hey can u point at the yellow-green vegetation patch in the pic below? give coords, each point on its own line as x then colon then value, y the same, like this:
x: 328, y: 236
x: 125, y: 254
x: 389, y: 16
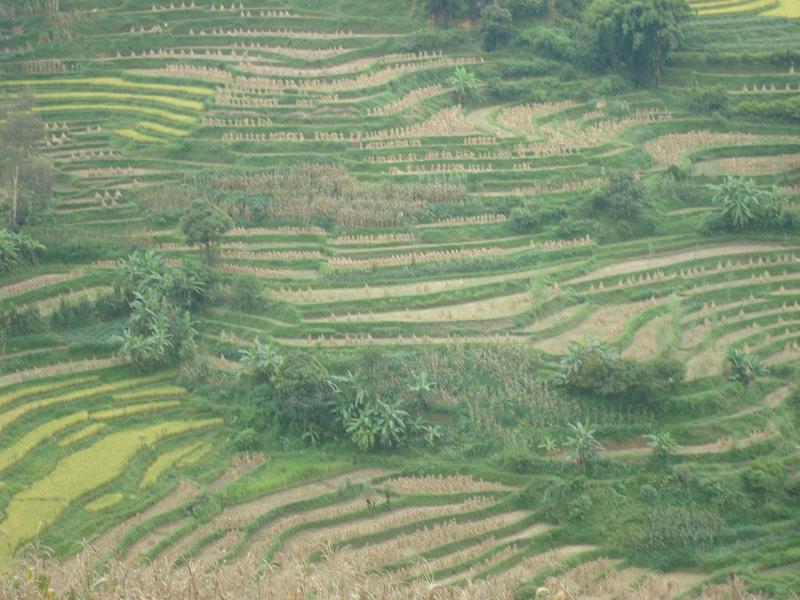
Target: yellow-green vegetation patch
x: 11, y: 416
x: 723, y: 9
x: 134, y: 409
x: 115, y: 82
x: 195, y: 455
x: 116, y: 108
x: 165, y: 462
x: 44, y: 388
x: 104, y: 502
x: 136, y: 136
x: 788, y: 8
x: 36, y: 436
x: 167, y: 100
x: 36, y: 508
x: 160, y: 391
x: 81, y: 434
x: 159, y: 128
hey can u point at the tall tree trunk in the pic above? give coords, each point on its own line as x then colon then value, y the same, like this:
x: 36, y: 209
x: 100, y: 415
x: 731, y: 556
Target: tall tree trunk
x: 15, y: 197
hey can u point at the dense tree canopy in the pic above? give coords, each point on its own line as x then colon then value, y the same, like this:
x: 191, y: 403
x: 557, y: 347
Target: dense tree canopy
x: 204, y: 225
x: 637, y: 36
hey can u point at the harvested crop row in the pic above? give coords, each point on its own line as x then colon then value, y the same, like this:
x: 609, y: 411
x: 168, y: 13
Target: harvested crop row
x: 303, y: 544
x: 417, y: 542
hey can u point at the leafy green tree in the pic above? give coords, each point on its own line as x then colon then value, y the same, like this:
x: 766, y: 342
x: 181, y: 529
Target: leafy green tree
x: 522, y: 218
x: 26, y: 179
x: 663, y: 444
x: 623, y: 197
x: 745, y: 367
x: 204, y: 225
x: 464, y: 81
x: 741, y: 201
x: 496, y: 26
x: 637, y: 36
x: 452, y: 10
x: 582, y: 443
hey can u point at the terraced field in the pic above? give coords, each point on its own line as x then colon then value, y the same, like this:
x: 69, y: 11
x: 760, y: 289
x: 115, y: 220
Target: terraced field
x: 148, y: 104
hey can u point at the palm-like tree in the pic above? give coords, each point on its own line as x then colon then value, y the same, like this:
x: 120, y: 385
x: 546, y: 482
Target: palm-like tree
x: 143, y: 269
x: 464, y: 81
x: 745, y: 367
x: 421, y: 387
x: 582, y: 443
x: 145, y: 352
x: 578, y: 351
x: 350, y: 397
x: 740, y: 200
x: 391, y: 420
x: 662, y: 444
x: 16, y: 247
x: 364, y: 429
x: 262, y: 361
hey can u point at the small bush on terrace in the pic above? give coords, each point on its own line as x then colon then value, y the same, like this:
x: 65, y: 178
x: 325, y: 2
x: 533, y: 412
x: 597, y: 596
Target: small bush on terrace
x: 594, y: 368
x: 707, y: 101
x: 744, y: 206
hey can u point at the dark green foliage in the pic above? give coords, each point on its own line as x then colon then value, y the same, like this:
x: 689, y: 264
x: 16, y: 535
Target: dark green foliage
x: 549, y: 42
x: 21, y: 321
x: 453, y: 10
x: 625, y: 204
x: 680, y: 527
x: 496, y: 26
x: 570, y: 9
x: 595, y: 368
x: 745, y: 367
x: 778, y: 109
x: 523, y: 219
x: 570, y: 228
x: 527, y: 9
x: 623, y: 196
x: 637, y: 36
x: 706, y: 101
x: 303, y: 391
x: 247, y: 440
x: 245, y: 294
x: 764, y: 477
